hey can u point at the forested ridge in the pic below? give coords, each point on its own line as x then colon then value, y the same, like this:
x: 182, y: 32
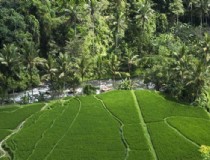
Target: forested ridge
x: 65, y: 43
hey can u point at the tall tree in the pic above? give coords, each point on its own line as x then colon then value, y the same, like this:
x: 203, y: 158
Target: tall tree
x: 118, y: 22
x: 131, y: 60
x: 113, y: 66
x: 82, y: 66
x: 13, y: 27
x: 31, y: 60
x: 50, y: 71
x: 202, y: 7
x: 99, y: 67
x: 177, y: 8
x: 65, y: 73
x: 10, y: 65
x: 141, y: 25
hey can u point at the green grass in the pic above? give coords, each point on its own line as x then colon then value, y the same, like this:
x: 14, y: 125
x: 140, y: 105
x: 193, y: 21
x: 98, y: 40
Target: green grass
x: 93, y: 135
x: 60, y: 124
x: 155, y: 107
x: 122, y: 105
x: 9, y: 107
x: 11, y: 119
x: 140, y: 155
x: 169, y: 145
x: 11, y: 116
x: 4, y: 133
x: 197, y: 130
x: 24, y: 142
x: 109, y: 127
x: 135, y: 137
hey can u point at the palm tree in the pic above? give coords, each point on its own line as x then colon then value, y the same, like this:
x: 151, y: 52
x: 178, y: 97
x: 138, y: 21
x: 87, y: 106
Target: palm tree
x: 113, y: 66
x: 131, y: 60
x: 206, y: 49
x: 3, y: 88
x: 203, y: 7
x: 190, y: 4
x: 10, y: 64
x: 99, y: 67
x: 51, y: 70
x: 31, y: 61
x: 144, y: 12
x: 82, y: 65
x: 64, y: 63
x: 74, y: 11
x: 120, y: 23
x: 177, y: 8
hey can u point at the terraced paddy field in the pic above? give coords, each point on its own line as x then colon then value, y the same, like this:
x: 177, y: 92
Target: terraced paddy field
x: 117, y: 125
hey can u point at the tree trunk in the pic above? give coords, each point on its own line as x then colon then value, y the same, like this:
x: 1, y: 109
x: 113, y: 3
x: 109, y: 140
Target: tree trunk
x: 6, y: 89
x: 201, y: 19
x: 143, y: 24
x: 113, y: 80
x: 129, y: 69
x: 116, y: 39
x: 52, y: 86
x: 191, y: 17
x: 177, y: 19
x: 13, y: 92
x: 64, y: 87
x: 206, y: 17
x: 99, y: 78
x: 93, y: 28
x: 31, y: 84
x: 75, y: 29
x: 82, y: 76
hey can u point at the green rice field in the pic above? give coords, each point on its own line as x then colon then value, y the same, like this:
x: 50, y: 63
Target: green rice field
x: 117, y: 125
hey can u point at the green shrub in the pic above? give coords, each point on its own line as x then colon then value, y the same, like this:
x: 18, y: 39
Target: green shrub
x: 126, y: 84
x: 205, y: 152
x: 89, y: 89
x: 204, y: 100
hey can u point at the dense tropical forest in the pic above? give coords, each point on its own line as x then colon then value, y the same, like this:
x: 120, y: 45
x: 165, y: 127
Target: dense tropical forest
x: 65, y: 43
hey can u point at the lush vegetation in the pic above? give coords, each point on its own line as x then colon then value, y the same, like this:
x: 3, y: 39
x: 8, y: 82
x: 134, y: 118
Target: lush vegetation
x: 205, y: 151
x: 187, y: 124
x: 64, y: 43
x: 12, y: 116
x: 157, y: 110
x: 95, y: 127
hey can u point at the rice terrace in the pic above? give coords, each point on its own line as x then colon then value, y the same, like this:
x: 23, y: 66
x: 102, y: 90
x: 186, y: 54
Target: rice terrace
x: 117, y: 125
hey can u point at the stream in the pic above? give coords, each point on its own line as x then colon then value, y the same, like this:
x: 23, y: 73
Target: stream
x: 102, y: 86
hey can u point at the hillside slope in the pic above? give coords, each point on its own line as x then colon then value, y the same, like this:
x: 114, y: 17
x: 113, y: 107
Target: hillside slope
x: 117, y: 125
